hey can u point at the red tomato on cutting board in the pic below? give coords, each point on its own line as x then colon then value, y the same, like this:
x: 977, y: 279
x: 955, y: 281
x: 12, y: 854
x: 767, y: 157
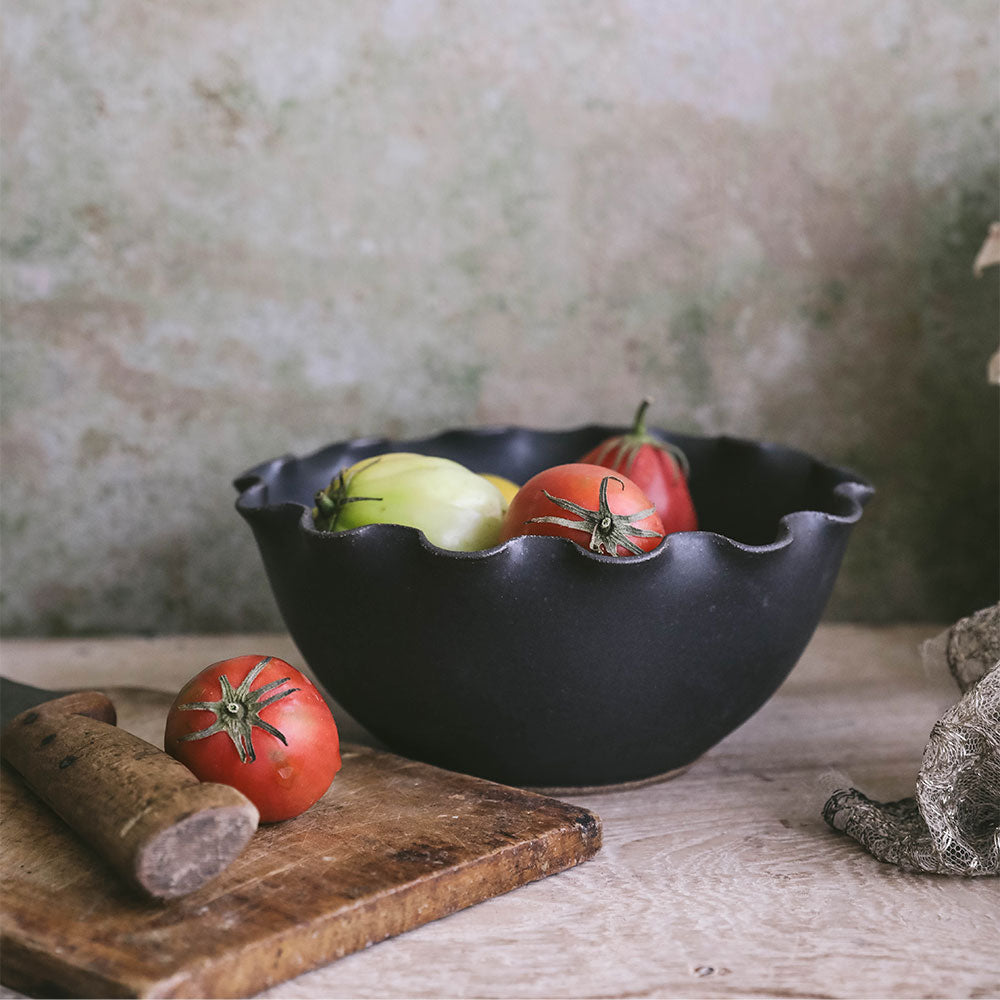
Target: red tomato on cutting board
x: 260, y: 725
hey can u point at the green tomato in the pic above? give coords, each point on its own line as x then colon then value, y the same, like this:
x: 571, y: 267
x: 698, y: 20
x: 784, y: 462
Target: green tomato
x: 455, y: 508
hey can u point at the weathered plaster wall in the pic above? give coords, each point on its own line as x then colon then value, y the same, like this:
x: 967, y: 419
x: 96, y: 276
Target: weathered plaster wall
x: 238, y: 228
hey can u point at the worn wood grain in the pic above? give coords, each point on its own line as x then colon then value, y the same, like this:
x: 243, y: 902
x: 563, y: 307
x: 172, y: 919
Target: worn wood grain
x: 723, y: 882
x: 394, y: 844
x: 164, y: 831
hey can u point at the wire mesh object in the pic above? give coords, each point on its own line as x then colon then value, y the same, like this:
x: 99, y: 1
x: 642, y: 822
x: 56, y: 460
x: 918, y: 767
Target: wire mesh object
x: 951, y: 826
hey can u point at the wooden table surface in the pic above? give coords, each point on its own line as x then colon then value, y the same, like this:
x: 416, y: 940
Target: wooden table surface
x: 723, y: 882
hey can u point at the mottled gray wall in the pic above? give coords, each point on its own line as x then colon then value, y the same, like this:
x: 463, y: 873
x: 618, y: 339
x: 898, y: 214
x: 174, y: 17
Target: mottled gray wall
x: 238, y: 228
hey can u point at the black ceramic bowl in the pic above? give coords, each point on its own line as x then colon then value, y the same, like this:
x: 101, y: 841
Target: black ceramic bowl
x: 536, y: 662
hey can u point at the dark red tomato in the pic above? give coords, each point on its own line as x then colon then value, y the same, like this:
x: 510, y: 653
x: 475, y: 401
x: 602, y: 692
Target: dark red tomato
x: 599, y: 509
x: 658, y: 468
x: 260, y: 725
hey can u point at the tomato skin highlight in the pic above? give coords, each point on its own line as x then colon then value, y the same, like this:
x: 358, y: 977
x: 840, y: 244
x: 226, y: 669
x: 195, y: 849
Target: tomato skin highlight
x: 656, y: 467
x: 580, y: 483
x: 281, y: 779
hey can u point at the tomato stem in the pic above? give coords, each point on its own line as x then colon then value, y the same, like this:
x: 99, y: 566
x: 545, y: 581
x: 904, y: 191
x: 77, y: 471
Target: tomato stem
x: 624, y: 449
x: 607, y: 530
x: 639, y: 423
x: 331, y: 501
x: 238, y: 711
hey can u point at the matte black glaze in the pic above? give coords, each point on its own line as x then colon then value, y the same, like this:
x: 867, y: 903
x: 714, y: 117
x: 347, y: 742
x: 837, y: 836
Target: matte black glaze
x: 537, y: 662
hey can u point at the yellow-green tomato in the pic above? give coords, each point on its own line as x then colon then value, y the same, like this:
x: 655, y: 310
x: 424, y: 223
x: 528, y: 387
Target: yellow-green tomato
x: 453, y: 506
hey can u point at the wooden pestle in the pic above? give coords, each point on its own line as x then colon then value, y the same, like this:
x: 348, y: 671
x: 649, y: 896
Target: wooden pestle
x: 162, y: 829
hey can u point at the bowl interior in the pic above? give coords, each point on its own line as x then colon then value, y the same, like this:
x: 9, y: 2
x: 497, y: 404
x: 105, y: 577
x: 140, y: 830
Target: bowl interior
x: 741, y: 489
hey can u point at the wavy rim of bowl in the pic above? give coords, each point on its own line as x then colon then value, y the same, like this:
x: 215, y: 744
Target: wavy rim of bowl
x: 852, y: 492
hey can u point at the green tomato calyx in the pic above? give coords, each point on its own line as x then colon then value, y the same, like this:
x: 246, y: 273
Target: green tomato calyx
x: 607, y: 530
x: 623, y: 450
x: 330, y: 502
x: 238, y: 711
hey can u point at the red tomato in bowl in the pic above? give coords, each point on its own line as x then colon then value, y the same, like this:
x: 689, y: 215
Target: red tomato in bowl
x: 599, y: 509
x: 258, y: 724
x: 658, y: 468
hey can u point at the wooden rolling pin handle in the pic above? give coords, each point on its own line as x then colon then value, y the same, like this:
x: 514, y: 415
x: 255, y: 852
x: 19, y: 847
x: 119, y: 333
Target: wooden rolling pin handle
x: 161, y: 828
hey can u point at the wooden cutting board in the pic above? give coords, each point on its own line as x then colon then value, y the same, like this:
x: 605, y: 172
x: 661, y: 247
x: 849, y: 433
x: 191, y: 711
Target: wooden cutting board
x: 394, y: 844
